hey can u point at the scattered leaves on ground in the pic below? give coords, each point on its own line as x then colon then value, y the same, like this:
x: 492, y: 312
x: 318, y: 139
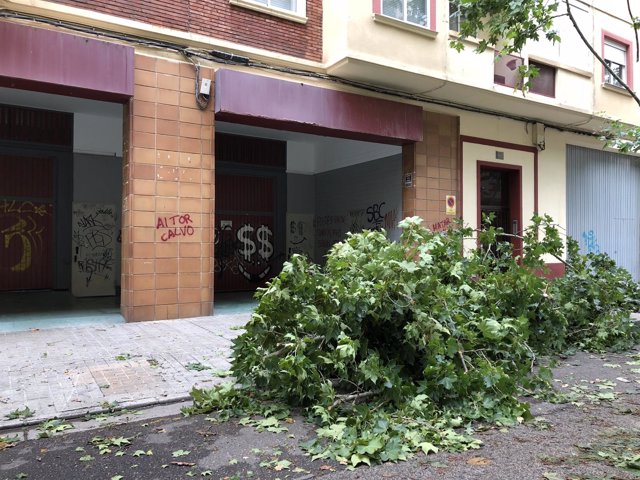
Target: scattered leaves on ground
x: 197, y: 366
x: 180, y: 453
x: 53, y: 426
x: 25, y: 412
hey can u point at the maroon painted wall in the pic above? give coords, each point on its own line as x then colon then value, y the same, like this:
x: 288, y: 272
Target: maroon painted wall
x: 269, y: 102
x: 26, y: 222
x: 20, y: 124
x: 55, y: 62
x: 220, y: 20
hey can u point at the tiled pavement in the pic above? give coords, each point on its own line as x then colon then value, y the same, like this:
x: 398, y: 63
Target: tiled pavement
x: 67, y: 372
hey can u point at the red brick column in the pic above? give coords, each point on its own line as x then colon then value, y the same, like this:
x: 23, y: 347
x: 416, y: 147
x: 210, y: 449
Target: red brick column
x: 167, y: 231
x: 435, y: 165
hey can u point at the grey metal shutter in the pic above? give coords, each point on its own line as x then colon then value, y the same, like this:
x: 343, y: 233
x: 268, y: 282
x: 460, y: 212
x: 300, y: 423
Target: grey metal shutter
x: 603, y: 204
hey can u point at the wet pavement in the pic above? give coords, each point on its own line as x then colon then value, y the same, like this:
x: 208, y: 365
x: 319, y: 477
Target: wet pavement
x: 68, y: 372
x: 594, y: 434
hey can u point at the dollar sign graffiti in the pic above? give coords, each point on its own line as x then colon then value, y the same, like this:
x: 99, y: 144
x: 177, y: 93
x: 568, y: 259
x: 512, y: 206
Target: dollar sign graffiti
x: 266, y: 248
x: 248, y: 246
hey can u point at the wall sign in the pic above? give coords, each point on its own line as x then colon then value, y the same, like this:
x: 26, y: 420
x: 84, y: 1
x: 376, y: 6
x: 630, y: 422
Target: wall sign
x: 450, y: 204
x: 407, y: 180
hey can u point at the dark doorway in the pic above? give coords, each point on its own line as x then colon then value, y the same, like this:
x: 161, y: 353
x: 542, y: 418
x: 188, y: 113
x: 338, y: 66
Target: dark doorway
x: 35, y: 198
x: 250, y: 211
x: 500, y: 194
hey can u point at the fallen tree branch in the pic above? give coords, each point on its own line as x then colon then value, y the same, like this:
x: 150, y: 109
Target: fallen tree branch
x: 277, y: 353
x: 281, y: 350
x: 464, y: 364
x: 353, y: 397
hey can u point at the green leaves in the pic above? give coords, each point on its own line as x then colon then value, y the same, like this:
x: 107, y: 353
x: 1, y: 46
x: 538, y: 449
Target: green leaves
x: 197, y: 366
x: 269, y: 424
x: 140, y: 453
x: 26, y: 412
x: 104, y: 444
x: 53, y: 426
x: 491, y: 329
x: 119, y: 441
x: 428, y: 447
x: 371, y: 446
x: 507, y: 25
x: 346, y: 347
x: 180, y: 453
x: 357, y: 459
x: 618, y: 448
x: 596, y: 297
x: 392, y: 347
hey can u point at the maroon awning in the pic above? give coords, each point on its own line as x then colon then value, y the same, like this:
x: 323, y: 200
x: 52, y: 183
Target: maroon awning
x: 55, y: 62
x: 269, y: 102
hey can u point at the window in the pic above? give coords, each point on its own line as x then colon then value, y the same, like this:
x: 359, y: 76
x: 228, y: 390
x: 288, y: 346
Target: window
x: 455, y: 16
x: 294, y: 10
x: 283, y: 4
x: 615, y: 56
x: 545, y: 82
x: 505, y: 71
x: 411, y: 11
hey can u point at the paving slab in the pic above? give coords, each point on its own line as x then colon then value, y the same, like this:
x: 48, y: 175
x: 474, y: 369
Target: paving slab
x: 68, y: 372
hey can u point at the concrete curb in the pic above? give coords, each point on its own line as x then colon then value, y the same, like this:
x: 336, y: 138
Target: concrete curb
x: 73, y: 415
x: 67, y: 373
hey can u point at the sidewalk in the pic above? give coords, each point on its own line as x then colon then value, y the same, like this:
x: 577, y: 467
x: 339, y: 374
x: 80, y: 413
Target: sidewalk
x: 67, y: 372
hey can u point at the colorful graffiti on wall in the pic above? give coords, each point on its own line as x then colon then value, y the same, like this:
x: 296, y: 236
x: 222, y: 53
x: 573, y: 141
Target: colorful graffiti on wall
x: 244, y: 251
x: 590, y: 242
x: 24, y: 228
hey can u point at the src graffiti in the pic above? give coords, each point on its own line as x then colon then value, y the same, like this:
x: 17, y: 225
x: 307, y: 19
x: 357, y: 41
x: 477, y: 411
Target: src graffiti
x: 378, y: 219
x: 375, y: 216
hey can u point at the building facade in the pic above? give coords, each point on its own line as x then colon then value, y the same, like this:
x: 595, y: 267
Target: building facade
x: 172, y: 151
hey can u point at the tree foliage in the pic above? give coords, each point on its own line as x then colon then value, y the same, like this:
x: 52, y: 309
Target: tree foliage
x: 391, y: 346
x: 508, y: 25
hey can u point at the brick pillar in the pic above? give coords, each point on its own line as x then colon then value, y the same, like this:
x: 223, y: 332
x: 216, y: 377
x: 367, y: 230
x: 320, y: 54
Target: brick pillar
x: 167, y: 231
x: 435, y: 165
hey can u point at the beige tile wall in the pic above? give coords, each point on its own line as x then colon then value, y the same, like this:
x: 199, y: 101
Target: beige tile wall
x: 435, y: 166
x: 167, y: 234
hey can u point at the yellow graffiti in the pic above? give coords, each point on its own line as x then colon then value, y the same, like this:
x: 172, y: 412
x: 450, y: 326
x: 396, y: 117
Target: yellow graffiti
x: 11, y: 206
x: 19, y: 229
x: 25, y: 230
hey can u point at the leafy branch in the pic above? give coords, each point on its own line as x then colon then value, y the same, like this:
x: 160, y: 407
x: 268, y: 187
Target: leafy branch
x: 391, y: 346
x: 507, y: 26
x: 599, y: 57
